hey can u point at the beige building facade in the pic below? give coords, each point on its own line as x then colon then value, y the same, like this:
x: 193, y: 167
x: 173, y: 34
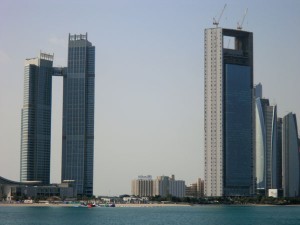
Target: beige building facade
x: 162, y: 186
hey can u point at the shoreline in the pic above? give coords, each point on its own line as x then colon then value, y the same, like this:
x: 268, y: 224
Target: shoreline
x: 130, y: 205
x: 118, y: 205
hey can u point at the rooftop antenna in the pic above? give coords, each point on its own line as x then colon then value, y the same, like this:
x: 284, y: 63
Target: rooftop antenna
x: 216, y: 22
x: 240, y: 25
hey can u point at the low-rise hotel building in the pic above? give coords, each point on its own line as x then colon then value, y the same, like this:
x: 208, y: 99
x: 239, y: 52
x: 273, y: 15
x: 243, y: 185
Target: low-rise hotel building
x: 162, y: 186
x: 195, y: 190
x: 142, y: 187
x: 12, y: 190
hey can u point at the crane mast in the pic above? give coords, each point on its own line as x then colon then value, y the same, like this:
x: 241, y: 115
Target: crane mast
x: 216, y: 22
x: 240, y: 25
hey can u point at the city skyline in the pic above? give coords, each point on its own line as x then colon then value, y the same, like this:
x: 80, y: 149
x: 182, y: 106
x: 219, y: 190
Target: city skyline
x: 149, y: 96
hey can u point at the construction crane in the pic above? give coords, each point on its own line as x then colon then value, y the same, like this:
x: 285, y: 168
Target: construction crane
x: 240, y: 25
x: 216, y: 22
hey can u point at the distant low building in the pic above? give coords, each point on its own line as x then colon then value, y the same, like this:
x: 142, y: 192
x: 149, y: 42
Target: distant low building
x: 176, y: 187
x: 11, y: 190
x: 142, y: 187
x: 162, y: 186
x: 132, y: 199
x: 273, y: 193
x: 195, y: 190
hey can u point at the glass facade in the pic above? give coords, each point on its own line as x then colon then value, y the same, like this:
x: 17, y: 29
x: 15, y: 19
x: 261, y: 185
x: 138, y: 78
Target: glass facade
x: 228, y: 113
x: 36, y: 120
x: 290, y: 157
x: 238, y: 129
x: 279, y: 152
x: 271, y: 144
x: 268, y: 152
x: 260, y: 141
x: 78, y: 115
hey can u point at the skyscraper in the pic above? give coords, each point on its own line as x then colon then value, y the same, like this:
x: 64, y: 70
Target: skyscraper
x: 78, y: 115
x: 258, y: 92
x: 290, y: 157
x: 228, y: 113
x: 279, y: 153
x: 36, y: 119
x: 266, y: 146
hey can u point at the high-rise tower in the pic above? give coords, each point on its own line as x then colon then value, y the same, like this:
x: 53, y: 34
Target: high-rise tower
x: 78, y: 115
x: 229, y: 114
x: 267, y: 152
x: 290, y: 157
x: 36, y: 119
x: 279, y: 152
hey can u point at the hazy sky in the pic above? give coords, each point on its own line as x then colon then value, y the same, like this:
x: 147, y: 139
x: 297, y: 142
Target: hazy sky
x: 149, y: 77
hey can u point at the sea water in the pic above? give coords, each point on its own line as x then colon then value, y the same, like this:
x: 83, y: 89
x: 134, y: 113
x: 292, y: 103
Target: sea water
x: 206, y: 215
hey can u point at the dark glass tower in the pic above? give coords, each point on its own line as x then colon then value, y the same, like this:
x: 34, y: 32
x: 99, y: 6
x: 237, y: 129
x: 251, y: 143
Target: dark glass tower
x: 290, y: 157
x: 279, y: 152
x: 36, y: 119
x: 78, y: 115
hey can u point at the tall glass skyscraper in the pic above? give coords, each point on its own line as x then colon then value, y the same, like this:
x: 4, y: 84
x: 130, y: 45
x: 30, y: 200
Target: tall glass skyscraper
x: 290, y: 157
x: 279, y: 153
x: 229, y: 113
x: 267, y: 151
x: 78, y: 115
x: 36, y: 119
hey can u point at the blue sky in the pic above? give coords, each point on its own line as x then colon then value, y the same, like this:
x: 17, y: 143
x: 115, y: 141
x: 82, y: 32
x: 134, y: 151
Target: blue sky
x: 149, y: 77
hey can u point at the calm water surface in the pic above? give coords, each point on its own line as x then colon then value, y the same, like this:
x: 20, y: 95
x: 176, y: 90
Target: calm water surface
x: 206, y: 215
